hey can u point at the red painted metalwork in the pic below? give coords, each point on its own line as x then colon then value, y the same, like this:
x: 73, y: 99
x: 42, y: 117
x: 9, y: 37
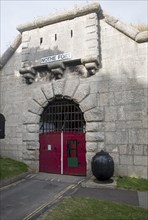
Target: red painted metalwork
x: 50, y: 152
x: 62, y: 138
x: 80, y: 154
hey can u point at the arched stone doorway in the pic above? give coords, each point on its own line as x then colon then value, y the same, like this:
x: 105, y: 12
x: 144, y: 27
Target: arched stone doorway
x: 62, y: 138
x: 70, y: 89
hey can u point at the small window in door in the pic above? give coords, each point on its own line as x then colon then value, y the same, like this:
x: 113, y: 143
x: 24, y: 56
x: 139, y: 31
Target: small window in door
x: 72, y: 153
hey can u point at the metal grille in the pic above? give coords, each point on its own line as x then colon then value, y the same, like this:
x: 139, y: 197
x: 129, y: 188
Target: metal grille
x: 62, y: 115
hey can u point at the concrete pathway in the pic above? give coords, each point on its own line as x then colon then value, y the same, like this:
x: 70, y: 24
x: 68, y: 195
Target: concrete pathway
x: 28, y: 198
x: 32, y: 195
x: 107, y: 190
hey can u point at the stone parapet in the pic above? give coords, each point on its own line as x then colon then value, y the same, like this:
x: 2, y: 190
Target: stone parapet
x: 76, y: 12
x: 10, y: 50
x: 128, y: 30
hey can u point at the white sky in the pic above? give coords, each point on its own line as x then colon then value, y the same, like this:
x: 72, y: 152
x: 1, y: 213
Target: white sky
x: 16, y: 12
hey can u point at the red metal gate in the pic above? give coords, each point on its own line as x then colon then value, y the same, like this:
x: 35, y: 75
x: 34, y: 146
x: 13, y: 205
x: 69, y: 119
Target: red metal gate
x: 63, y: 153
x: 62, y: 139
x: 74, y: 153
x: 50, y: 153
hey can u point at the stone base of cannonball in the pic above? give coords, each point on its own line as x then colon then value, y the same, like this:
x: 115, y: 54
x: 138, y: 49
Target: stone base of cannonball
x: 92, y: 182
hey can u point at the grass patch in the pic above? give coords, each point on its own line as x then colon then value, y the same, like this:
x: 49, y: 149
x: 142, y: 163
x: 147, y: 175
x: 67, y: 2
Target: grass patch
x: 10, y: 168
x: 93, y: 209
x: 132, y: 183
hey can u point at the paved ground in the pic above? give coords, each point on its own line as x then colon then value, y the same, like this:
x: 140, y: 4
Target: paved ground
x: 31, y: 194
x: 27, y: 199
x: 120, y: 196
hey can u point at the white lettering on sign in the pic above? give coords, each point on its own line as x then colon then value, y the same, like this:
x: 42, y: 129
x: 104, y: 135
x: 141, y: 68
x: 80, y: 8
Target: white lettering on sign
x: 63, y: 56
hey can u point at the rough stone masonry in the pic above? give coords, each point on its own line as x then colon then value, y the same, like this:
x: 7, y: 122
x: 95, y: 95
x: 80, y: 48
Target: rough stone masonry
x: 105, y: 73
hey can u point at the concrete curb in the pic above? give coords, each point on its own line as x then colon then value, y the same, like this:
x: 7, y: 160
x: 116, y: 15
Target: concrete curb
x: 9, y: 181
x: 143, y: 199
x: 94, y: 183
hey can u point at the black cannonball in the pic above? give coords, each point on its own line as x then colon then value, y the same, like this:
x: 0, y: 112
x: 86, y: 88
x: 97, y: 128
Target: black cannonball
x: 102, y: 166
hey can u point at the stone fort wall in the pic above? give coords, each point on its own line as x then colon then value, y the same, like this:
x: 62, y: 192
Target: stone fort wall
x: 114, y: 99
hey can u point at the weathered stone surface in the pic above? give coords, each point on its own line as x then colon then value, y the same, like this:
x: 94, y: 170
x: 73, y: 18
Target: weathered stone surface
x: 106, y: 99
x: 140, y: 160
x: 93, y: 126
x: 6, y: 56
x: 89, y: 156
x: 145, y: 150
x: 91, y: 146
x: 25, y: 45
x: 30, y: 137
x: 91, y: 66
x: 57, y: 73
x: 127, y: 29
x: 115, y: 157
x: 138, y: 136
x: 30, y: 155
x: 127, y: 97
x: 30, y: 118
x: 82, y: 91
x: 94, y: 136
x: 70, y: 87
x: 94, y: 86
x: 130, y: 149
x: 39, y: 97
x: 48, y: 91
x: 101, y: 146
x: 96, y: 114
x: 139, y: 149
x: 103, y: 86
x: 55, y: 65
x: 25, y: 36
x: 32, y: 145
x: 111, y: 20
x: 134, y: 115
x: 89, y: 102
x: 34, y: 107
x: 134, y: 124
x: 112, y: 148
x: 58, y: 87
x: 110, y: 126
x: 10, y: 50
x: 123, y: 149
x: 95, y: 7
x: 121, y: 170
x: 136, y: 171
x: 117, y: 137
x: 126, y: 159
x: 118, y: 118
x: 110, y: 113
x: 142, y: 37
x: 33, y: 128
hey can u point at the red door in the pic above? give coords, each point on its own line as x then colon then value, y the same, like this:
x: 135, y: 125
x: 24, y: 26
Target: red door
x: 74, y: 153
x: 50, y: 152
x: 72, y: 147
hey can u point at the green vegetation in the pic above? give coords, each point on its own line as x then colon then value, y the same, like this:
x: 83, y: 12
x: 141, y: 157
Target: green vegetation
x: 11, y: 168
x: 92, y: 209
x: 132, y: 183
